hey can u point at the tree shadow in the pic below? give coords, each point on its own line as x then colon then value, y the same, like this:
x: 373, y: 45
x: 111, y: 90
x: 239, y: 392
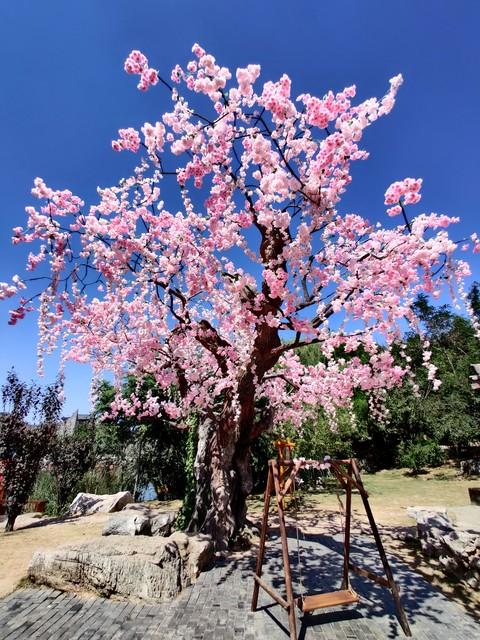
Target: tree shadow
x: 43, y: 522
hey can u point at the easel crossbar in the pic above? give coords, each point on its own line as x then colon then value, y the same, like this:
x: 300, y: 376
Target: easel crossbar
x: 368, y: 574
x: 271, y: 592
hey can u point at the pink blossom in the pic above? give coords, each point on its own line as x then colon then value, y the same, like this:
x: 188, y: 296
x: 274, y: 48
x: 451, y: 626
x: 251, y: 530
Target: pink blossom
x: 406, y: 191
x: 129, y: 140
x: 137, y: 63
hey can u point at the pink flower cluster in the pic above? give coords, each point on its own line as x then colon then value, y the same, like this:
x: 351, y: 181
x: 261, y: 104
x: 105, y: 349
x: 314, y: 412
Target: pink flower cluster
x: 129, y: 140
x: 476, y: 243
x: 405, y: 191
x: 276, y: 98
x: 154, y: 137
x: 207, y: 77
x: 137, y: 63
x: 17, y: 314
x: 7, y: 290
x: 246, y: 77
x: 321, y: 112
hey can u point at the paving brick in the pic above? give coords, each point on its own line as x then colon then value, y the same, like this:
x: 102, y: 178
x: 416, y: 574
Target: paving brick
x: 217, y: 607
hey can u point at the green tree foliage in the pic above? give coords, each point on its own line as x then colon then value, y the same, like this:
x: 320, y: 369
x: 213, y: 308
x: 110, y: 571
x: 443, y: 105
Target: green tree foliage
x: 27, y: 428
x: 71, y: 455
x: 450, y: 415
x: 474, y: 299
x: 420, y: 453
x: 152, y: 451
x: 417, y: 425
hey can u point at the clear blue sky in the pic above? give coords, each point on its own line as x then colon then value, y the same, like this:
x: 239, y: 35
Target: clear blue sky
x: 65, y: 94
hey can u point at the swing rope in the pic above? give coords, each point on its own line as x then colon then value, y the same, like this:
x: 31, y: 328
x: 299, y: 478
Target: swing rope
x: 299, y: 554
x: 299, y: 558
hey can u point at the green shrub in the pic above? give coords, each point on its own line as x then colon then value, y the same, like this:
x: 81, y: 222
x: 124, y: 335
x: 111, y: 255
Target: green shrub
x: 106, y: 479
x: 420, y: 454
x: 45, y: 489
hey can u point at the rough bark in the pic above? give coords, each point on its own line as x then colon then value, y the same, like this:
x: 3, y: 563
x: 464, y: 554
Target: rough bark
x: 11, y: 517
x: 223, y: 465
x: 202, y: 475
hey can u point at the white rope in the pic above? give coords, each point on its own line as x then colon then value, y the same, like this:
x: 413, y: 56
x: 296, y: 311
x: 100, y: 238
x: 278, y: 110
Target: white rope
x: 299, y: 559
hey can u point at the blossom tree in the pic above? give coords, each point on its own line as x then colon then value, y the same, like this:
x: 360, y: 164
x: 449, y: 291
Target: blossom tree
x: 211, y: 284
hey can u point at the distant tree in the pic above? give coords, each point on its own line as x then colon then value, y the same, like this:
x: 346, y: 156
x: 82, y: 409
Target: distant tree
x: 474, y: 298
x: 451, y: 414
x: 72, y: 455
x: 27, y: 428
x: 157, y: 447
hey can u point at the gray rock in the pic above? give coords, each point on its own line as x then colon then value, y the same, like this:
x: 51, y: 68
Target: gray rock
x: 458, y: 550
x: 127, y: 524
x: 414, y: 512
x: 466, y: 518
x: 87, y: 503
x: 196, y: 552
x: 161, y: 524
x: 148, y: 569
x: 139, y: 507
x: 470, y: 467
x: 462, y: 545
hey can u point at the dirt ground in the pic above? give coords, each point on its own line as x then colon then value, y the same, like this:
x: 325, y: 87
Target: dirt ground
x: 30, y: 534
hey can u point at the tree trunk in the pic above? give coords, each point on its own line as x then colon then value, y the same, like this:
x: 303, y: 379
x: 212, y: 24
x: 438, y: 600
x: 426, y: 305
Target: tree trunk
x: 202, y: 475
x: 11, y: 517
x: 222, y: 466
x: 223, y: 482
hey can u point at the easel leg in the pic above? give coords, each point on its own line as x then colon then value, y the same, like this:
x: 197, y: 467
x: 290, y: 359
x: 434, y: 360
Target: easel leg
x: 263, y: 537
x: 285, y: 556
x: 386, y: 566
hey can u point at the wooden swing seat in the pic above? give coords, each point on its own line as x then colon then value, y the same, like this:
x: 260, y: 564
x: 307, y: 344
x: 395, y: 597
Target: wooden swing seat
x: 322, y: 600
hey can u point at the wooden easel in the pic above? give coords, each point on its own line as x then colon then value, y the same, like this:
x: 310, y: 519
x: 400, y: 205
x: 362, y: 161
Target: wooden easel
x: 348, y: 476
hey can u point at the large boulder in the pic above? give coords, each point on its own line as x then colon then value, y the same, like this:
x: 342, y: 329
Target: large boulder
x: 87, y: 503
x: 152, y: 569
x: 127, y: 523
x: 432, y: 525
x: 453, y: 537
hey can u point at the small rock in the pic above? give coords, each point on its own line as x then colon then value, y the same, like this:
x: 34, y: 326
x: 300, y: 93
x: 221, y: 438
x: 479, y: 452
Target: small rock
x: 127, y: 524
x: 140, y: 507
x: 470, y: 467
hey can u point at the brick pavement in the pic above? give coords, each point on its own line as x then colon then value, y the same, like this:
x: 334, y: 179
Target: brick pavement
x: 217, y: 607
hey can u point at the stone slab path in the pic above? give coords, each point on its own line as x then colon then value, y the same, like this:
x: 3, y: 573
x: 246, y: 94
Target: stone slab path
x: 217, y: 607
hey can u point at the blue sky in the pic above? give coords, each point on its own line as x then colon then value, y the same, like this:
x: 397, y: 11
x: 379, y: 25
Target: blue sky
x: 65, y: 94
